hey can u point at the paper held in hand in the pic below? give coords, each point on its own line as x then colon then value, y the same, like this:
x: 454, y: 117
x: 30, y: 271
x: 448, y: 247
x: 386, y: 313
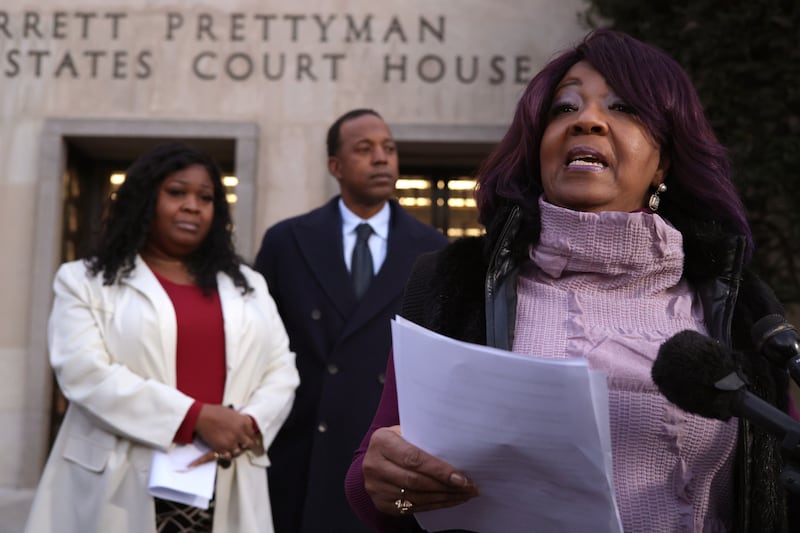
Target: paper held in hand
x: 171, y: 480
x: 532, y: 433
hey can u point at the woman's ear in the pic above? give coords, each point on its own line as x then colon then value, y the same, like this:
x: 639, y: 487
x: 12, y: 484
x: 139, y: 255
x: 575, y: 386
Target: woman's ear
x: 661, y: 172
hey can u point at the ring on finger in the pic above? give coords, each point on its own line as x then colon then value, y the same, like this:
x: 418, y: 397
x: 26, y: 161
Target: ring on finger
x: 402, y: 504
x: 223, y: 460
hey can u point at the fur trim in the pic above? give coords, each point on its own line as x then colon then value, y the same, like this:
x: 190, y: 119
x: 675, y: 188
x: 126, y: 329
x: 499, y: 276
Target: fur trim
x: 457, y: 309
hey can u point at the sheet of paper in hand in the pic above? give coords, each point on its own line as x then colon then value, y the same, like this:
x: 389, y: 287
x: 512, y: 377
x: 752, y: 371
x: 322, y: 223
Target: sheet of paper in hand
x: 171, y: 480
x: 532, y: 433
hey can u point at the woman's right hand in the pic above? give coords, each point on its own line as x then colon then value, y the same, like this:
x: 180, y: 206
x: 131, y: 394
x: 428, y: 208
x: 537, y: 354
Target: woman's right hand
x: 395, y: 470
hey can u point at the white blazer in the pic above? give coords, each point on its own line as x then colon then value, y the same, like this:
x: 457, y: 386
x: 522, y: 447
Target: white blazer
x: 113, y: 352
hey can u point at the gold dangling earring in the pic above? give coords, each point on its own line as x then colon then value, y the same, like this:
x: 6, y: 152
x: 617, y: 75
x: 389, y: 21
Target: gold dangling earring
x: 655, y: 200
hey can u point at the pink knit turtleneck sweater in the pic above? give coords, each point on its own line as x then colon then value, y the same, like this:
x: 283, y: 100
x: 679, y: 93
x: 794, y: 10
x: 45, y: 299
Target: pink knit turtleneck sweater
x: 608, y: 287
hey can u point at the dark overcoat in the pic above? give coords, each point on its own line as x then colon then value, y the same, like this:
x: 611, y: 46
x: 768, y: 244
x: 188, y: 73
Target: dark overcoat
x: 342, y: 347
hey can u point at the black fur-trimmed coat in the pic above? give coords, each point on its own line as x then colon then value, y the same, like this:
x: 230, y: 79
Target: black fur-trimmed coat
x: 448, y: 292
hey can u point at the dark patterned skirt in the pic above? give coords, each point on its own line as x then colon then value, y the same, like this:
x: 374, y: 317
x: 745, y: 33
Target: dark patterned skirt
x: 174, y: 517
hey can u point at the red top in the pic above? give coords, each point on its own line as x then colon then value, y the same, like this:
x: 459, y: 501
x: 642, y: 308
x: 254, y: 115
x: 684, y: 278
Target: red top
x: 200, y: 350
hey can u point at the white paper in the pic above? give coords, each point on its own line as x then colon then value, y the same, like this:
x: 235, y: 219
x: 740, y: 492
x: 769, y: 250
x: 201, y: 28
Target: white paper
x: 171, y: 480
x: 532, y: 433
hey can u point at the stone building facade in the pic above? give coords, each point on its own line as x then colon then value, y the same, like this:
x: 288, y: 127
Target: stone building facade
x: 85, y: 86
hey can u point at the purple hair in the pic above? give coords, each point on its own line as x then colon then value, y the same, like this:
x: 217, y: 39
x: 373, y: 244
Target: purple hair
x: 699, y: 175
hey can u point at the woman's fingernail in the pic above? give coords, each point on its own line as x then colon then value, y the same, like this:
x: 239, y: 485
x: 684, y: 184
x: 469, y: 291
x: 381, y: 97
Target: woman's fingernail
x: 458, y: 480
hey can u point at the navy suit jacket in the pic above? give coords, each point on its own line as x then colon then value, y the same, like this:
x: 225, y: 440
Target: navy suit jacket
x: 342, y: 347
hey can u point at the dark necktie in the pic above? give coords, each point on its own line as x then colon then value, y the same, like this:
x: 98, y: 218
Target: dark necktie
x: 361, y: 264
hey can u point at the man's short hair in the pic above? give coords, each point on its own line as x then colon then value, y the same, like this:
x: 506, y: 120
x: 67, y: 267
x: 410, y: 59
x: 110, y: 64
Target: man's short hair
x: 336, y: 128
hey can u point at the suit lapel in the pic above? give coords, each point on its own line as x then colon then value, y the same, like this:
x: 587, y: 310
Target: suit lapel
x: 320, y: 241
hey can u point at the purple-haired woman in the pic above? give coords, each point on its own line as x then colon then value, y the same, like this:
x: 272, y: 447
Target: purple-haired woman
x: 612, y: 224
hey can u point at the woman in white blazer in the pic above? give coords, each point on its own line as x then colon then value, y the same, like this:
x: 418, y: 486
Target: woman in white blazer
x: 153, y: 339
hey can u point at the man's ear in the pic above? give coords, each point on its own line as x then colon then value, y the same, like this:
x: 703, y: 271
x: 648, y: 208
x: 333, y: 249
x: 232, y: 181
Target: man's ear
x: 335, y: 167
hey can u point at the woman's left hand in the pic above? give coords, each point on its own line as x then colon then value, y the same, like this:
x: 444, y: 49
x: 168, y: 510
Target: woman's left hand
x: 402, y: 479
x: 227, y: 432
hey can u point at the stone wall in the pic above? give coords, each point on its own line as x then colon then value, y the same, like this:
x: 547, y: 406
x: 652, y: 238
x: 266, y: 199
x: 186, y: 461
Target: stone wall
x: 445, y: 70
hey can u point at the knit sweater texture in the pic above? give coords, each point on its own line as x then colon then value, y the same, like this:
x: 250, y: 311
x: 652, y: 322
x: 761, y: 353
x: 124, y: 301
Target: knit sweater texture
x: 608, y: 287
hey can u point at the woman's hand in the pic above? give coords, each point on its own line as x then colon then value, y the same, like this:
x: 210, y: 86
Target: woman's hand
x: 223, y: 459
x: 397, y: 473
x: 227, y: 432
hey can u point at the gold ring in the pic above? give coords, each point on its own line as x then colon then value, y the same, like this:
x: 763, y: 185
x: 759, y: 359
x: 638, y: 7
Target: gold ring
x: 402, y: 504
x: 223, y: 460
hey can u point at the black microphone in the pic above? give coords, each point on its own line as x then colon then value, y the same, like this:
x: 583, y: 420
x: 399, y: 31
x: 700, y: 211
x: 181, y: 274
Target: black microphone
x: 699, y: 375
x: 777, y: 340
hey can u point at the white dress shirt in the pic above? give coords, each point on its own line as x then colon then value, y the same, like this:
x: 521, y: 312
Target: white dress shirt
x: 378, y: 241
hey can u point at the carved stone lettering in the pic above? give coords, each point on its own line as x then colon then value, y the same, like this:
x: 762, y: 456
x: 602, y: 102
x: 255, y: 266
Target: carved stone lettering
x: 246, y: 47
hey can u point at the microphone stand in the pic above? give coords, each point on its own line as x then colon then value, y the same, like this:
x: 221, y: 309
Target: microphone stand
x: 778, y: 341
x: 790, y: 473
x: 770, y: 419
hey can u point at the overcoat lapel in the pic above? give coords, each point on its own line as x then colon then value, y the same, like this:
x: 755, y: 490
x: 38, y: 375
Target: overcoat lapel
x: 143, y: 280
x: 233, y: 315
x: 319, y: 238
x: 390, y: 281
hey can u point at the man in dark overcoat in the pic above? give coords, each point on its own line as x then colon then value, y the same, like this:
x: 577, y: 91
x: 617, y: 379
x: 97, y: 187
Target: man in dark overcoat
x: 342, y: 339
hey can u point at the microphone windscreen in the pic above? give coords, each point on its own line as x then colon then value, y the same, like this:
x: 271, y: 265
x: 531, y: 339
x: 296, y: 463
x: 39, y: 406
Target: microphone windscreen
x: 686, y: 369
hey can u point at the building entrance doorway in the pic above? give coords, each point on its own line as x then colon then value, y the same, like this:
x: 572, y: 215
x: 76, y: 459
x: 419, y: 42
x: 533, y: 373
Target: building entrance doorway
x: 82, y: 163
x: 95, y: 168
x: 437, y: 182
